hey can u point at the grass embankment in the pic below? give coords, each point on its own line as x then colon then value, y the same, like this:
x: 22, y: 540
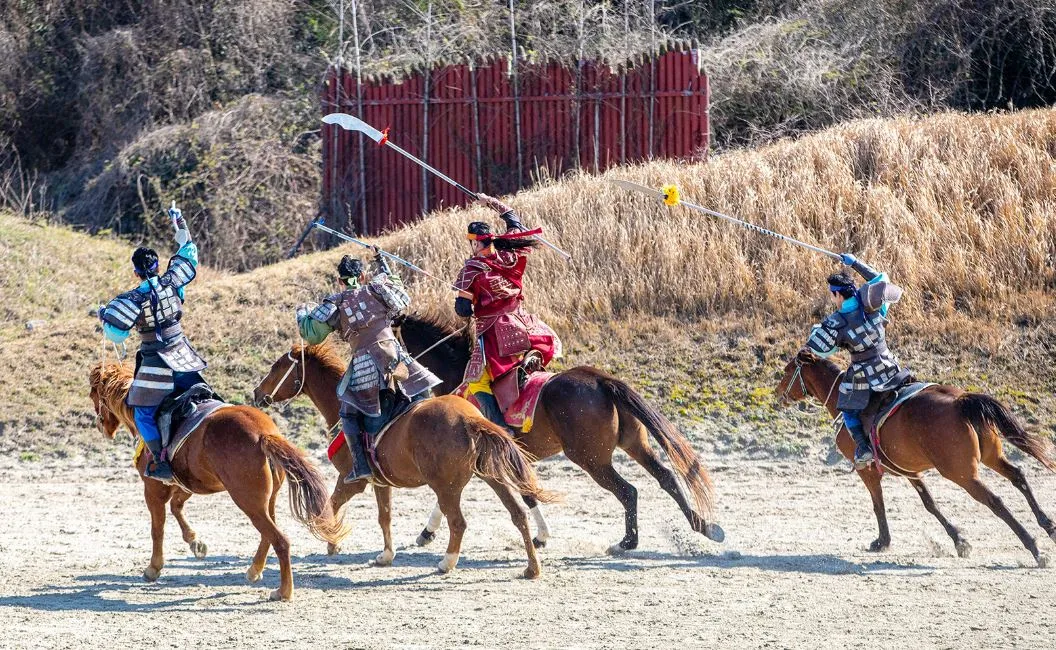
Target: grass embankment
x: 961, y: 210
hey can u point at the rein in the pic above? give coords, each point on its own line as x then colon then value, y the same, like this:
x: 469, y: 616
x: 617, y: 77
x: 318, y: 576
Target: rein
x: 269, y: 399
x: 441, y: 341
x: 798, y: 376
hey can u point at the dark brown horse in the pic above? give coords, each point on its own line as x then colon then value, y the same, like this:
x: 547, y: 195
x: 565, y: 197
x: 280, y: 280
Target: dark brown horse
x: 442, y: 442
x: 238, y: 449
x: 588, y: 414
x: 942, y: 427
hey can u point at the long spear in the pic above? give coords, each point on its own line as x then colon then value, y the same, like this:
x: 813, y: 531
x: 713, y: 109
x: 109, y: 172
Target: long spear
x: 352, y: 123
x: 395, y: 258
x: 670, y: 197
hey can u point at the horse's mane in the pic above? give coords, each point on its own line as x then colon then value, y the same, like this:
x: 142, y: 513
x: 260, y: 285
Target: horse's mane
x: 327, y: 354
x: 111, y: 379
x: 808, y: 357
x: 428, y: 327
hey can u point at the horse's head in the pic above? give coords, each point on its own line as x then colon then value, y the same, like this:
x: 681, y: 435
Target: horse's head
x: 109, y: 382
x: 284, y: 381
x: 793, y: 386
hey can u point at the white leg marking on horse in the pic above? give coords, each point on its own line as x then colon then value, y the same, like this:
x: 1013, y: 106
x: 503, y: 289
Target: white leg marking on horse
x: 449, y: 562
x: 435, y: 519
x: 384, y: 558
x: 542, y: 529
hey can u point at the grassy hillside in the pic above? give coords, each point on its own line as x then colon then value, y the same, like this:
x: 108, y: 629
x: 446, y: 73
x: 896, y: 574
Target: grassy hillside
x: 699, y: 315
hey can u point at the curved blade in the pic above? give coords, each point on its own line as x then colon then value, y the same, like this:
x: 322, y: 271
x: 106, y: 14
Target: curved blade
x: 635, y: 187
x: 352, y: 123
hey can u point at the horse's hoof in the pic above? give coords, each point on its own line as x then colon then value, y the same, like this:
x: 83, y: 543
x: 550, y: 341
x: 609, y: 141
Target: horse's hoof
x: 199, y: 549
x: 714, y: 532
x: 878, y: 545
x: 964, y: 549
x: 538, y: 543
x: 150, y: 574
x: 254, y: 576
x: 621, y: 548
x: 277, y: 595
x: 448, y: 563
x: 1043, y: 561
x: 532, y: 572
x: 384, y: 558
x: 425, y: 538
x: 332, y: 549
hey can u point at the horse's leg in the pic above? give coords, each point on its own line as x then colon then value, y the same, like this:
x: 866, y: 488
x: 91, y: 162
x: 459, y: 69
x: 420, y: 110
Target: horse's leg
x: 521, y: 522
x: 428, y: 533
x: 975, y: 487
x: 156, y: 494
x: 871, y: 478
x: 258, y: 502
x: 340, y: 496
x: 607, y: 477
x: 260, y: 558
x: 383, y: 495
x: 964, y: 549
x: 450, y: 504
x: 543, y: 534
x: 645, y: 457
x: 176, y: 507
x: 1015, y: 475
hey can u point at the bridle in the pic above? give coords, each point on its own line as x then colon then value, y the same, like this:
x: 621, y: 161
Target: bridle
x: 798, y: 376
x: 269, y: 399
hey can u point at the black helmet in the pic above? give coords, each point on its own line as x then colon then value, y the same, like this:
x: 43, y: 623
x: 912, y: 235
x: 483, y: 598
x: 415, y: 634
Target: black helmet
x: 480, y: 231
x: 145, y: 262
x: 349, y: 267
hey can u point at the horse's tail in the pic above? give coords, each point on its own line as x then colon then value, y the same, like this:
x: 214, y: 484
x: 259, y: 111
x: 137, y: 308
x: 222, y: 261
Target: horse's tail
x: 984, y: 412
x: 685, y: 461
x: 500, y: 459
x: 309, y: 502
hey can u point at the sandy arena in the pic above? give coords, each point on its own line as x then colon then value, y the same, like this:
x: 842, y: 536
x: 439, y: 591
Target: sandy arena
x: 793, y: 572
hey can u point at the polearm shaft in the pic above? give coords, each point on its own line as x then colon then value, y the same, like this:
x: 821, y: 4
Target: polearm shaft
x: 353, y: 123
x: 394, y: 258
x: 628, y: 185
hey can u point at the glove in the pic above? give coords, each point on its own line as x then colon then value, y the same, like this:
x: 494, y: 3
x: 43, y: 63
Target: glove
x: 302, y: 312
x: 493, y: 203
x: 183, y: 235
x: 848, y: 259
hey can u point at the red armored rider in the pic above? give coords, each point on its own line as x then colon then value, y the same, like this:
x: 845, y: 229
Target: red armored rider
x: 510, y: 341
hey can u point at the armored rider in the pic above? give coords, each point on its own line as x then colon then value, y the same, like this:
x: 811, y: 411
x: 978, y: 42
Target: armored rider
x: 857, y: 326
x: 362, y: 315
x: 165, y: 362
x: 490, y: 289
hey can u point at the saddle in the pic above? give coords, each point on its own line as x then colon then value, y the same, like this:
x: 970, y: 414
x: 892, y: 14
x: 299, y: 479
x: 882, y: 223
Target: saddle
x: 881, y: 403
x: 392, y: 409
x: 507, y: 388
x: 179, y: 408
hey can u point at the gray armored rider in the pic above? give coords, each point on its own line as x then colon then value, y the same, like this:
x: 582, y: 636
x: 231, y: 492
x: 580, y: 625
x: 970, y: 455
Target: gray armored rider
x: 857, y: 326
x: 165, y: 361
x: 381, y: 369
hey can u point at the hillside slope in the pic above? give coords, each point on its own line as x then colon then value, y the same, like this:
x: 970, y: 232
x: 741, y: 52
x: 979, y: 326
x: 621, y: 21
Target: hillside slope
x: 698, y: 314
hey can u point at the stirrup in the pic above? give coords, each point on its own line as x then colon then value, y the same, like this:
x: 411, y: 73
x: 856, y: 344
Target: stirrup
x: 160, y: 471
x: 352, y: 477
x: 863, y: 459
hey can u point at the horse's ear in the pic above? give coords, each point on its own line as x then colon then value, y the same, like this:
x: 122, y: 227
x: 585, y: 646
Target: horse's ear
x: 805, y: 355
x: 399, y: 320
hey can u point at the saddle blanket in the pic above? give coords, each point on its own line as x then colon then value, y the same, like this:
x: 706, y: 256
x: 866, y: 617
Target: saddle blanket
x: 339, y: 440
x: 185, y: 428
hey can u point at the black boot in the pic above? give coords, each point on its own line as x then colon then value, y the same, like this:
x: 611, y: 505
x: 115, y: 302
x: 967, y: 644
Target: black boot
x: 489, y: 406
x: 863, y: 450
x: 158, y: 469
x: 353, y: 430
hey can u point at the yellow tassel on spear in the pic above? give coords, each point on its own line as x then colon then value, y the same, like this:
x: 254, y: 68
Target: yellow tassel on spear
x: 670, y: 193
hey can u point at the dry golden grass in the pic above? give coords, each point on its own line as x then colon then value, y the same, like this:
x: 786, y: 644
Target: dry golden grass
x: 697, y: 313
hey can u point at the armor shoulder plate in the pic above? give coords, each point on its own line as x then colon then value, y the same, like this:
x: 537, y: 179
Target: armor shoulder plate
x: 873, y: 296
x: 391, y: 296
x: 324, y: 311
x: 179, y: 274
x: 123, y: 311
x: 472, y: 268
x: 835, y: 322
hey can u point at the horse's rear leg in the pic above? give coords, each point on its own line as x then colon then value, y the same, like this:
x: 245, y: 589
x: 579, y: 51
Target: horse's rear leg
x: 1015, y: 475
x: 383, y: 495
x: 450, y: 505
x: 260, y: 558
x: 645, y: 457
x: 156, y: 494
x: 871, y: 478
x: 339, y: 497
x: 258, y: 502
x: 973, y: 486
x: 964, y: 549
x: 428, y: 533
x: 176, y: 507
x: 542, y: 534
x: 607, y: 477
x: 521, y: 522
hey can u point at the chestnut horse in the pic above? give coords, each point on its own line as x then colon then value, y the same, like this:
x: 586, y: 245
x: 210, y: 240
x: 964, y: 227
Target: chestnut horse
x: 441, y: 442
x: 942, y: 428
x: 238, y: 449
x: 587, y: 414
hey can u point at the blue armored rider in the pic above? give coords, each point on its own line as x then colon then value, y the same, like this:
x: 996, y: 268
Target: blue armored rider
x: 381, y: 373
x: 165, y: 361
x: 857, y: 326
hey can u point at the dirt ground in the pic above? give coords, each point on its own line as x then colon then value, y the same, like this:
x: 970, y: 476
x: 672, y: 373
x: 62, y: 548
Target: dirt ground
x: 793, y: 571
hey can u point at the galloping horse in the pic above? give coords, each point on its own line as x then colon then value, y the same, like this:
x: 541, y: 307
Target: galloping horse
x: 942, y: 427
x: 441, y: 442
x: 587, y: 414
x: 238, y: 449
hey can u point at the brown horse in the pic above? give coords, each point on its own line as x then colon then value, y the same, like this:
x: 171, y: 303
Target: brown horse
x: 442, y: 442
x: 942, y: 427
x: 238, y: 449
x: 587, y: 414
